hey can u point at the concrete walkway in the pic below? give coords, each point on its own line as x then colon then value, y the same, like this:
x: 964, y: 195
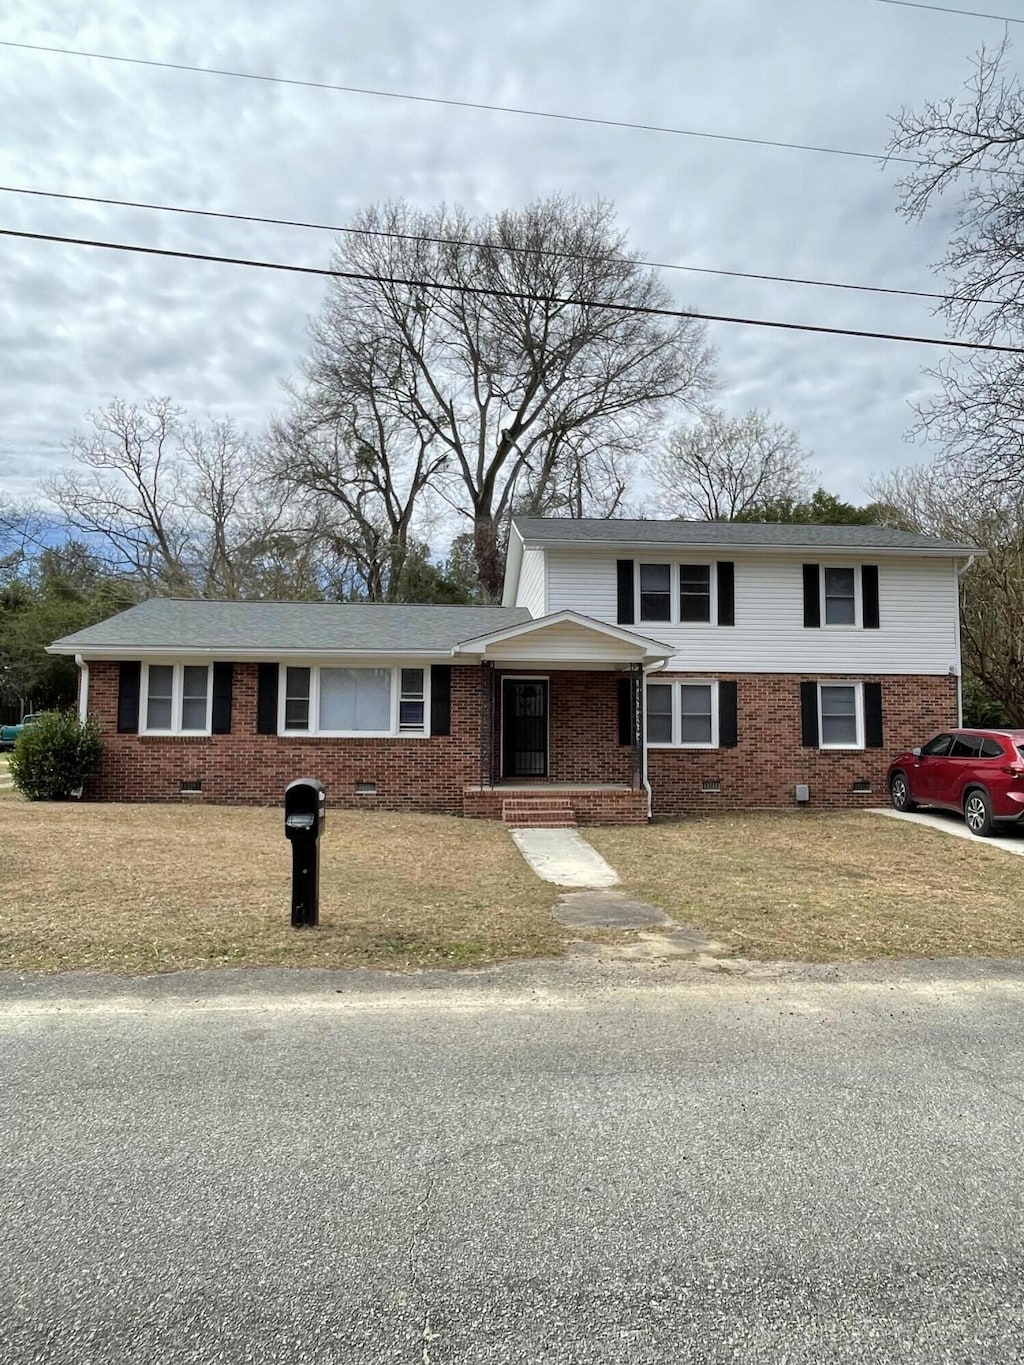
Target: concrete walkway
x: 564, y: 857
x: 1008, y: 840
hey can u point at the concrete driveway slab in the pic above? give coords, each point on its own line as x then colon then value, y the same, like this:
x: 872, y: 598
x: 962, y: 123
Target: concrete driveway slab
x: 948, y: 822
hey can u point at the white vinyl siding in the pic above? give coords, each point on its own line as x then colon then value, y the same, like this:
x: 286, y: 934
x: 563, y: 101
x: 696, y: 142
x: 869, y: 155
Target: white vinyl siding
x: 918, y: 614
x: 531, y: 589
x: 565, y: 642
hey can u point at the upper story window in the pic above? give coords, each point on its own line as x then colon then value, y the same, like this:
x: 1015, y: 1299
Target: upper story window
x: 842, y: 596
x: 353, y: 701
x: 177, y: 699
x: 676, y: 593
x: 839, y: 594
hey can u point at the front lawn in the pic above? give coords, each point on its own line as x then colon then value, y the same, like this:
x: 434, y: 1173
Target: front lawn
x: 826, y: 887
x: 160, y: 888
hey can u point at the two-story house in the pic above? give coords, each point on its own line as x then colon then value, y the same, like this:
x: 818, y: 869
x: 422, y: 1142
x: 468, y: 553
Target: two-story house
x: 635, y: 667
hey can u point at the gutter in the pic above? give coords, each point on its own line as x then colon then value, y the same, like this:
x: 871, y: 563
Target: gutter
x: 627, y: 548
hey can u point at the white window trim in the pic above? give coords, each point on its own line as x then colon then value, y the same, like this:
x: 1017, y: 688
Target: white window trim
x: 314, y: 732
x: 674, y: 619
x: 653, y: 680
x: 177, y: 689
x: 858, y: 701
x: 858, y: 599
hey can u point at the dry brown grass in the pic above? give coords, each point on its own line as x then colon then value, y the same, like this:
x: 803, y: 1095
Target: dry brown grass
x: 828, y: 887
x: 159, y: 888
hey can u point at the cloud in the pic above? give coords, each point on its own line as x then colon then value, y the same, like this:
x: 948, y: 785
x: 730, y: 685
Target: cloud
x: 78, y: 325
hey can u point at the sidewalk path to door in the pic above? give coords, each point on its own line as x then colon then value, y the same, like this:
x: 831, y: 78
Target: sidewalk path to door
x: 592, y: 899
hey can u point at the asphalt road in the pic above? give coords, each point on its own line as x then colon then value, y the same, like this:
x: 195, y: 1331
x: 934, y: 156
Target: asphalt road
x: 605, y: 1164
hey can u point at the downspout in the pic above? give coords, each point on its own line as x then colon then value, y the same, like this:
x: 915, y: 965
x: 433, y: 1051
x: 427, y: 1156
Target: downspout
x: 961, y: 568
x: 645, y: 670
x: 83, y: 688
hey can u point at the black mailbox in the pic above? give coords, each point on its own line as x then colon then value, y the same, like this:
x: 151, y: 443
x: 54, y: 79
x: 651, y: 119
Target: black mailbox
x: 305, y: 806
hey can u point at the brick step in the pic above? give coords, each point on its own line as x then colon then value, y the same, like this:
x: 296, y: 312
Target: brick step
x: 540, y: 822
x: 539, y: 812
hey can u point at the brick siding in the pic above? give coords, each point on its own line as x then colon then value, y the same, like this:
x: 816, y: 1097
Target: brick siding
x: 245, y: 768
x: 768, y: 761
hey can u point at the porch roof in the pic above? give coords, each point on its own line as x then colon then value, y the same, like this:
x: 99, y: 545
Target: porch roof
x: 565, y: 637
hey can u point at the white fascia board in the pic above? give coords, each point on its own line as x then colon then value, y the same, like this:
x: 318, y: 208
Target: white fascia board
x: 231, y: 653
x: 961, y: 552
x: 513, y: 567
x: 654, y: 649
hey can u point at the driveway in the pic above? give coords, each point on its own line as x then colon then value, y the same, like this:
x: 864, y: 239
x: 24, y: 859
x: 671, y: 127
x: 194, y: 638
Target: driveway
x: 586, y: 1163
x: 1009, y: 839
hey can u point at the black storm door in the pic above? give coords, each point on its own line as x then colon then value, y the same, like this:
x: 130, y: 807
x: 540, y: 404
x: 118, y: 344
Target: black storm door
x: 524, y: 724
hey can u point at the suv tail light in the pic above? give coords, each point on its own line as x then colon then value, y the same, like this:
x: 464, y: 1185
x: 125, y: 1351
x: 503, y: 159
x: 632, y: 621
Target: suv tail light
x: 1014, y: 770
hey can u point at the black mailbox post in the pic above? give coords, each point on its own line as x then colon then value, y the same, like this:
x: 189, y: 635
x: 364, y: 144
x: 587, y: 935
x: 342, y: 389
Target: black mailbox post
x: 305, y: 805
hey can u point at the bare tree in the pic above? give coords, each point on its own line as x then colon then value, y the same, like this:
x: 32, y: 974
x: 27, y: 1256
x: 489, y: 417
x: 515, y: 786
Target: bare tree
x: 972, y: 147
x: 722, y: 467
x: 942, y: 499
x: 177, y: 504
x: 496, y: 390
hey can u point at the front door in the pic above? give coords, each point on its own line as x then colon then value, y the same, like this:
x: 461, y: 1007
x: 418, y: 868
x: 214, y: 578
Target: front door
x: 524, y: 727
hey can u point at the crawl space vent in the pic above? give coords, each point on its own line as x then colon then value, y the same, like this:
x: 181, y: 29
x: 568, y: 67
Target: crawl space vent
x: 192, y: 787
x: 366, y: 789
x: 862, y: 786
x: 710, y: 784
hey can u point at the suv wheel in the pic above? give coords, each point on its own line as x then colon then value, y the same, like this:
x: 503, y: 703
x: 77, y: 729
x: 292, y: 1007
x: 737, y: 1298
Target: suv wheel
x: 978, y: 813
x: 899, y: 793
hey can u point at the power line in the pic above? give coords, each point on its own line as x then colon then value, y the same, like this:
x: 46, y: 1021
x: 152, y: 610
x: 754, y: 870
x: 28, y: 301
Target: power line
x: 461, y: 104
x: 467, y: 242
x: 945, y: 9
x: 515, y: 295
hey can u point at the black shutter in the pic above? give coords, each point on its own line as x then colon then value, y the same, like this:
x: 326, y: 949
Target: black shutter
x: 873, y: 715
x: 129, y: 679
x: 266, y: 699
x: 726, y: 594
x: 809, y: 715
x: 727, y: 732
x: 812, y: 596
x: 223, y: 686
x: 441, y: 699
x: 626, y: 694
x: 869, y: 589
x: 624, y: 580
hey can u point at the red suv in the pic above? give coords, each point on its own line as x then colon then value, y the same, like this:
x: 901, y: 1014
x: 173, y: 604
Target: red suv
x: 978, y: 772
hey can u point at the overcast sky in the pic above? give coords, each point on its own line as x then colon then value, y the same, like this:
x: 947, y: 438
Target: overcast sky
x: 78, y: 325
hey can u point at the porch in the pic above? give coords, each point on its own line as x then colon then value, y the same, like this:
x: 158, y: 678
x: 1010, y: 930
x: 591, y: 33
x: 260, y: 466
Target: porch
x: 561, y: 724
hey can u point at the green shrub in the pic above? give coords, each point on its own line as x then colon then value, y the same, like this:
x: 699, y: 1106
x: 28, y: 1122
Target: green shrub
x: 52, y: 758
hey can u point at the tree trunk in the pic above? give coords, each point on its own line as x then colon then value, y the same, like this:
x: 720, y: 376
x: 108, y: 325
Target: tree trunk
x: 488, y: 561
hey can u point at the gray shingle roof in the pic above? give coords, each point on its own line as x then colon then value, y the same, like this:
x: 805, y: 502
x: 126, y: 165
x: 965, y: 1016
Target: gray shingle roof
x: 733, y: 534
x: 180, y: 624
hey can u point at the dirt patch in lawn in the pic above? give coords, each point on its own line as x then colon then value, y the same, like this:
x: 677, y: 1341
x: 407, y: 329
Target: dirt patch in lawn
x: 825, y: 887
x: 161, y: 888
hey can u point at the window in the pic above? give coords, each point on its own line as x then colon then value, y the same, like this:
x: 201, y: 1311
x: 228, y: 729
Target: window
x: 683, y: 715
x: 695, y: 592
x: 296, y: 698
x: 412, y: 701
x: 655, y: 592
x: 177, y: 699
x: 356, y: 699
x: 937, y: 747
x: 676, y: 593
x: 840, y: 716
x: 991, y: 748
x: 659, y: 713
x: 965, y: 746
x: 840, y: 596
x: 353, y: 701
